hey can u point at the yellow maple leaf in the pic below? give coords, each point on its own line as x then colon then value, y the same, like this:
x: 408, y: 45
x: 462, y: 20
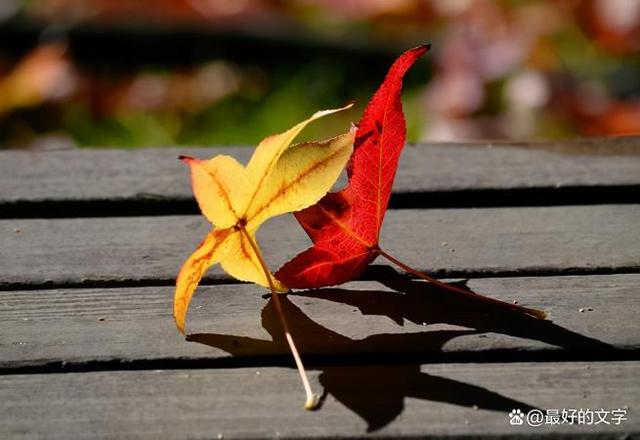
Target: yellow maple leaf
x: 279, y: 178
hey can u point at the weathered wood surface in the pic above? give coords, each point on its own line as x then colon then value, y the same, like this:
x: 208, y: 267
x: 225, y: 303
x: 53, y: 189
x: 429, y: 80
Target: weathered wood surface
x: 442, y: 400
x: 591, y: 317
x: 98, y: 356
x: 456, y: 241
x: 152, y: 174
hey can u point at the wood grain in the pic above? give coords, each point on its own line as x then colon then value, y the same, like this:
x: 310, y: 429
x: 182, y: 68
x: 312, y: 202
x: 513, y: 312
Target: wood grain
x: 452, y: 400
x: 451, y: 242
x: 589, y: 317
x: 99, y: 357
x: 156, y: 174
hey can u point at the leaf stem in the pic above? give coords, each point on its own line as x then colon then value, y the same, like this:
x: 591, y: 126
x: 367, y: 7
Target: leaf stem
x: 529, y: 311
x: 312, y: 399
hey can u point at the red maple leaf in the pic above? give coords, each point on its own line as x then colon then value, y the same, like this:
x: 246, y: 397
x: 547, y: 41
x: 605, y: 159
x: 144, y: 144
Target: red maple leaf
x: 345, y: 226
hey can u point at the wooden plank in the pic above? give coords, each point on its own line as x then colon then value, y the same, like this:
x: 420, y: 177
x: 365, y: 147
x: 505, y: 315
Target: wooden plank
x: 156, y: 174
x: 78, y: 328
x: 452, y: 400
x: 478, y: 242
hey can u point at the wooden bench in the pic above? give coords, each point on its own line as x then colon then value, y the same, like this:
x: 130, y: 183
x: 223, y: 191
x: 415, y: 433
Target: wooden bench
x: 91, y: 241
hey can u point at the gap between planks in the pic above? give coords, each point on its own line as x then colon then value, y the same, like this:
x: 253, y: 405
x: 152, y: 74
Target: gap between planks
x: 374, y: 272
x: 472, y: 198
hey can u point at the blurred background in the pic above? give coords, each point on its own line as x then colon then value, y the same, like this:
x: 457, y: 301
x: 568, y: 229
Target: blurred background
x: 131, y: 73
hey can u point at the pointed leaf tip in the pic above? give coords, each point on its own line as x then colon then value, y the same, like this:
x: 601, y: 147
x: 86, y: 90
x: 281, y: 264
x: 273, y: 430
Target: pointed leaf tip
x: 420, y: 50
x: 322, y: 113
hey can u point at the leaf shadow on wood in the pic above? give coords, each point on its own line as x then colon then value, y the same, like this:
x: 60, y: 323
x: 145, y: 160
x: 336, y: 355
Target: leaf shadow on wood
x: 376, y: 392
x: 422, y: 303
